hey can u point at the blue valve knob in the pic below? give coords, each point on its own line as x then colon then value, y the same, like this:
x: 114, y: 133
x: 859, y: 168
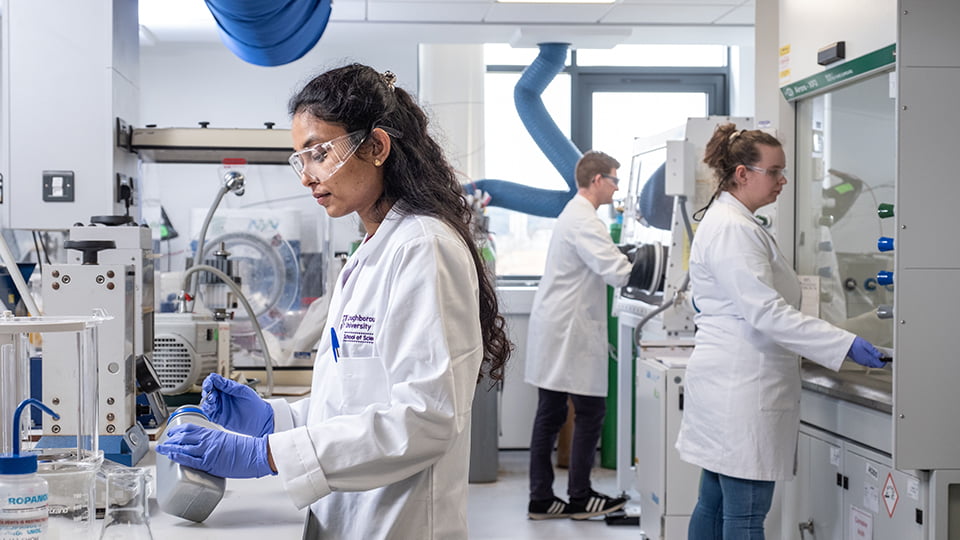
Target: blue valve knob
x: 885, y: 278
x: 885, y: 243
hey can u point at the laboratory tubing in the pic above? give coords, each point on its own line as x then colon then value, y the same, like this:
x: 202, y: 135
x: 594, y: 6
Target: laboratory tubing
x: 183, y: 491
x: 23, y: 494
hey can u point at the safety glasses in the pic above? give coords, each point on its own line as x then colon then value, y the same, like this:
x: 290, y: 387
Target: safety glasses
x: 610, y: 177
x: 772, y: 173
x: 321, y: 160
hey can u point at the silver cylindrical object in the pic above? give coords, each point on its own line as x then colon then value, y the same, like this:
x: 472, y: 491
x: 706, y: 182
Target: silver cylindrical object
x: 183, y: 491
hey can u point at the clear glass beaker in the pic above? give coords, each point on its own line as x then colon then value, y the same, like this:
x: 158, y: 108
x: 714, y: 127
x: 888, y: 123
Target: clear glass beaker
x: 71, y: 503
x: 14, y: 383
x: 68, y: 455
x: 126, y: 515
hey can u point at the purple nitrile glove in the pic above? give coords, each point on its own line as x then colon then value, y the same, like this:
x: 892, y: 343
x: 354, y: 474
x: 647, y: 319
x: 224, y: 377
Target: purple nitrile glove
x: 236, y: 407
x: 220, y: 453
x: 865, y: 354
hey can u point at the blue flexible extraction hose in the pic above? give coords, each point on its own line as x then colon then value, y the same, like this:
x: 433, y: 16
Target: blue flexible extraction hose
x: 270, y: 32
x: 552, y: 142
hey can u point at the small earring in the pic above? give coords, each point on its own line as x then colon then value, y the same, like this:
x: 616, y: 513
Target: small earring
x: 377, y: 162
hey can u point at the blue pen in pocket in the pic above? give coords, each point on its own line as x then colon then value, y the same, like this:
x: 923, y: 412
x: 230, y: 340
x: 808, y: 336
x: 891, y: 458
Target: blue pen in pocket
x: 334, y: 343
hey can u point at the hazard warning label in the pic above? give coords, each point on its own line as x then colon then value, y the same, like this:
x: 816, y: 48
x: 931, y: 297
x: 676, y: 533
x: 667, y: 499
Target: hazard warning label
x: 890, y: 495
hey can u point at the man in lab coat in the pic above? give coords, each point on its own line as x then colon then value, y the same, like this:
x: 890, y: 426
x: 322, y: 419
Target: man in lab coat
x: 567, y: 343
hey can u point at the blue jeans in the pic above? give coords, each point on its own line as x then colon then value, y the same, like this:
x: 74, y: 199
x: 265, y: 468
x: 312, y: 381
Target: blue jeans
x: 731, y: 508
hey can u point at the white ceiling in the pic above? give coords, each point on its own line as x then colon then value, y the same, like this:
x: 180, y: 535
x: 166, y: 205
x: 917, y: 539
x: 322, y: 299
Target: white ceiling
x: 191, y: 21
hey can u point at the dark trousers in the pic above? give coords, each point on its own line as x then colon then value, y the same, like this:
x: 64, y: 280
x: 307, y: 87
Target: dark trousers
x: 587, y: 424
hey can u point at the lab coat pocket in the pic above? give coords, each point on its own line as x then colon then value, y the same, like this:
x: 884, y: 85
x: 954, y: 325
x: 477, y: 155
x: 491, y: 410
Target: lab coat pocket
x: 779, y: 383
x: 363, y: 382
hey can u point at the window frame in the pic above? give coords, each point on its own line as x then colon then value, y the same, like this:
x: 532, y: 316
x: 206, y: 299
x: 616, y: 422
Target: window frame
x: 715, y: 82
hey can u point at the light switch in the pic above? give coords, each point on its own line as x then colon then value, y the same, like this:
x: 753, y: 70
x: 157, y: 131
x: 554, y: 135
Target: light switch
x: 58, y: 186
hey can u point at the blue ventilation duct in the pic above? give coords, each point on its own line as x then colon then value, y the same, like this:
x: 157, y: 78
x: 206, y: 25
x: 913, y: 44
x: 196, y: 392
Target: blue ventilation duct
x: 552, y: 142
x: 270, y: 32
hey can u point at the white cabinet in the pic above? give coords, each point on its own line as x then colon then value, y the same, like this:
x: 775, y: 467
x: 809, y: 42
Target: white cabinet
x: 844, y: 490
x: 814, y: 498
x: 893, y: 498
x: 667, y: 486
x: 518, y: 402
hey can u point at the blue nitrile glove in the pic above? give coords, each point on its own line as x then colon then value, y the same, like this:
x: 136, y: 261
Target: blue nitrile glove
x: 865, y: 354
x: 236, y: 407
x: 219, y: 453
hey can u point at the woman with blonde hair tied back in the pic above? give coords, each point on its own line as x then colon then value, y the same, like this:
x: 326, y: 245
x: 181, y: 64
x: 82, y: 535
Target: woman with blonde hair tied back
x: 742, y: 390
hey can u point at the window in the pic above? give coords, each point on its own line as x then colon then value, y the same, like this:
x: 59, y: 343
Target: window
x: 600, y: 101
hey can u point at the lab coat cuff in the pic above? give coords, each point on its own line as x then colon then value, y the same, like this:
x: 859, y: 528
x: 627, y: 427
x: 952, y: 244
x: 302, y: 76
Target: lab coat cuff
x: 298, y: 467
x: 843, y: 348
x: 282, y: 415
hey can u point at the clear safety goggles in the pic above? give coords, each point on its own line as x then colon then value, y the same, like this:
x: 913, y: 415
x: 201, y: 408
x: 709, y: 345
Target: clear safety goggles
x: 321, y: 160
x: 772, y: 173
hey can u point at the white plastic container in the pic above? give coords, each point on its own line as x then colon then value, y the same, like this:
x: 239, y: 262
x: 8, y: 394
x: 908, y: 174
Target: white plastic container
x: 23, y: 493
x: 183, y: 491
x: 23, y: 501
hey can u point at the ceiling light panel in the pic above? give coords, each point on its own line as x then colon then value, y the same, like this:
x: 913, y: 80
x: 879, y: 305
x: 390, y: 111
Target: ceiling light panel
x: 538, y: 13
x: 665, y: 13
x: 556, y: 1
x: 407, y: 11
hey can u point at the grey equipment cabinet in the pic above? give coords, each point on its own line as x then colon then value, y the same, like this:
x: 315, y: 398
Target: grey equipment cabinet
x: 845, y: 488
x: 893, y: 498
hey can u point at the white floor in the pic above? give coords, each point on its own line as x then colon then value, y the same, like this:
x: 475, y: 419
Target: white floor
x: 498, y: 510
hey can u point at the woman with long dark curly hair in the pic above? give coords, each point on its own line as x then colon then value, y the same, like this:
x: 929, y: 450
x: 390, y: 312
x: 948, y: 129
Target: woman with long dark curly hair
x: 381, y: 448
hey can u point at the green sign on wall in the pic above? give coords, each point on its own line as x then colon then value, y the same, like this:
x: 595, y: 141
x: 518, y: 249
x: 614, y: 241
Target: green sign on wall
x: 848, y: 70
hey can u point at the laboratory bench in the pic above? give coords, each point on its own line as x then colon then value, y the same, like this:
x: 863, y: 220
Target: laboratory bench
x: 872, y: 388
x: 250, y: 509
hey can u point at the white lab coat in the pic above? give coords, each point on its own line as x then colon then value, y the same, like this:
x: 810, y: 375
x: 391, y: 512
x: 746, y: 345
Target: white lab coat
x: 742, y: 390
x: 380, y: 449
x: 567, y: 336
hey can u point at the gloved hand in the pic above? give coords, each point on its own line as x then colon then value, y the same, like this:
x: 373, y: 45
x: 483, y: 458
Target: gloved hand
x: 236, y: 407
x: 219, y: 453
x: 642, y: 274
x: 865, y: 354
x: 630, y: 250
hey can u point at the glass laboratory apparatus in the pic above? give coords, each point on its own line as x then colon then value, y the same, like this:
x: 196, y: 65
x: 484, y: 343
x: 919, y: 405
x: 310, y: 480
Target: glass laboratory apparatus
x: 846, y: 185
x: 845, y: 176
x: 68, y: 454
x: 127, y: 516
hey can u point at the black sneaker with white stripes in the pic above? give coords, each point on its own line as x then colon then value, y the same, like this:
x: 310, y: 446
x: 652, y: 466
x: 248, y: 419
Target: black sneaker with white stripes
x: 548, y: 509
x: 593, y: 505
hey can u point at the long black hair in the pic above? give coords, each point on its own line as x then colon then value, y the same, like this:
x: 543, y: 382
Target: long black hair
x: 417, y: 177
